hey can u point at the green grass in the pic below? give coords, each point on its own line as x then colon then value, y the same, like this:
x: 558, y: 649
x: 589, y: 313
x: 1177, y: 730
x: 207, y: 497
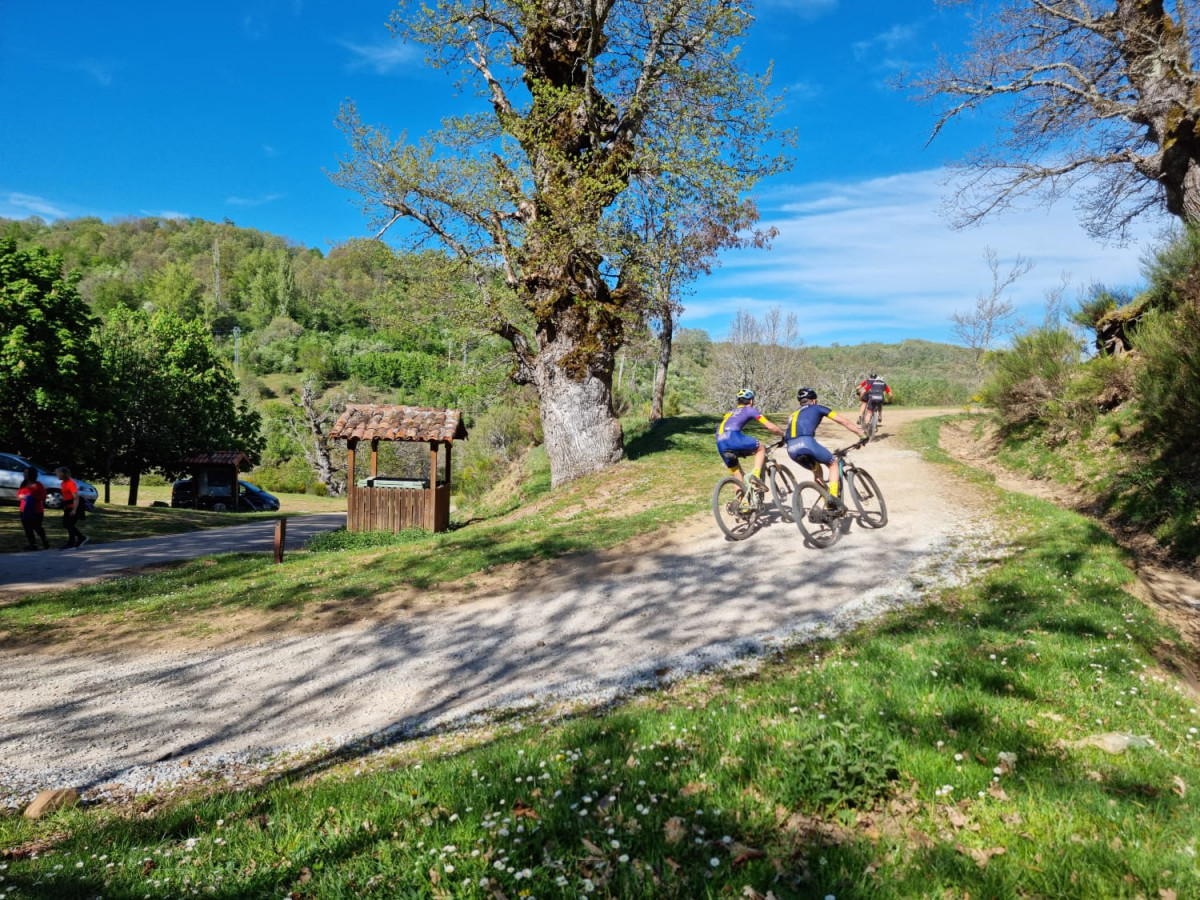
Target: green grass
x: 941, y: 751
x: 668, y: 476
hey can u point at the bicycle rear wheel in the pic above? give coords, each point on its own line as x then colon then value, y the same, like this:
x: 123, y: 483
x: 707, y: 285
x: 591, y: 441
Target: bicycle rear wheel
x: 872, y: 511
x: 872, y: 424
x: 738, y: 524
x: 783, y: 486
x: 816, y: 515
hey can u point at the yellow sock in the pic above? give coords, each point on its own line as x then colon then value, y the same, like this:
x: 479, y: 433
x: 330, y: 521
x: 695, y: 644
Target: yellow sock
x: 758, y: 473
x: 833, y: 489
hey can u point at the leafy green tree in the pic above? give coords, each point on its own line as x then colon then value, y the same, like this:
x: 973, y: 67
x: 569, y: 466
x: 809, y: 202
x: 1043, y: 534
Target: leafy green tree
x: 48, y: 365
x: 176, y: 288
x: 168, y: 394
x: 585, y: 96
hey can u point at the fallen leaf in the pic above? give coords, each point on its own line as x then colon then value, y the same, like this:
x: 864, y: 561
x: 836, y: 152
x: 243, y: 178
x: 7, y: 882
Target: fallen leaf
x: 1008, y: 762
x: 1166, y: 894
x: 632, y: 762
x: 1112, y: 742
x: 434, y: 877
x: 957, y: 819
x: 1094, y: 775
x: 981, y: 857
x: 747, y: 854
x: 522, y: 810
x: 305, y: 875
x: 692, y: 788
x: 675, y: 867
x: 592, y: 848
x: 675, y: 829
x: 997, y: 792
x: 1180, y: 787
x: 148, y: 867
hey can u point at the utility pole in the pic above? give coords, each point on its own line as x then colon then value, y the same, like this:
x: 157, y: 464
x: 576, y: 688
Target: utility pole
x: 237, y: 340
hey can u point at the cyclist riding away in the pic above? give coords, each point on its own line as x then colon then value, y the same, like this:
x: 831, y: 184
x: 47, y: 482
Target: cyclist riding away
x: 801, y: 434
x: 732, y: 444
x: 872, y: 390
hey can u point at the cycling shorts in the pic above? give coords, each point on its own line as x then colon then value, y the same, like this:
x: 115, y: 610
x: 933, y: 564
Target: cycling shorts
x: 735, y: 445
x: 808, y: 446
x: 873, y: 402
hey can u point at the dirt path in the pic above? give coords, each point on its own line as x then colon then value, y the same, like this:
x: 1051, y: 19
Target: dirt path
x: 583, y: 629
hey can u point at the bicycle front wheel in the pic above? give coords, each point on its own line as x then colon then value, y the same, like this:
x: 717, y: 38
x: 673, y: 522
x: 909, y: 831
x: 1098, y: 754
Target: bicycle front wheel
x: 816, y: 515
x: 783, y: 486
x: 872, y: 511
x: 727, y: 503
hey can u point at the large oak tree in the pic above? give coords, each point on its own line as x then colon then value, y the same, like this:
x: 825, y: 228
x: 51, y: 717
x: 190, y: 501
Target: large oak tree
x: 583, y: 97
x: 1098, y: 91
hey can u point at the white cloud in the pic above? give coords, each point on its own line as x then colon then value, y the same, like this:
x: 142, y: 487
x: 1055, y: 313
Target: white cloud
x: 379, y: 57
x: 269, y: 151
x: 164, y: 214
x: 253, y: 201
x: 874, y: 260
x: 895, y: 38
x: 15, y: 205
x: 100, y: 71
x: 806, y: 9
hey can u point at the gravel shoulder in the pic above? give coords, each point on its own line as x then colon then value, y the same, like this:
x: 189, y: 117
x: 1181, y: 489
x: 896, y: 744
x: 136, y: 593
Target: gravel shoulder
x: 584, y: 629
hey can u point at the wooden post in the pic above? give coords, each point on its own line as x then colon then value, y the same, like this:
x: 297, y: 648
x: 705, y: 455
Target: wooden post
x: 374, y: 457
x: 280, y: 538
x: 431, y: 497
x: 351, y: 523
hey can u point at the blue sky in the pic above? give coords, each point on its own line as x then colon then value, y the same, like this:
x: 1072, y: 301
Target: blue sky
x: 226, y: 110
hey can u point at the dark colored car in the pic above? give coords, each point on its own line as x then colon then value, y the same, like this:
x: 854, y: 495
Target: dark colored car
x: 251, y: 498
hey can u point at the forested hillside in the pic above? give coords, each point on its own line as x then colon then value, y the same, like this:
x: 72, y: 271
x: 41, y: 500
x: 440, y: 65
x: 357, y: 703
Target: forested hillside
x: 305, y: 330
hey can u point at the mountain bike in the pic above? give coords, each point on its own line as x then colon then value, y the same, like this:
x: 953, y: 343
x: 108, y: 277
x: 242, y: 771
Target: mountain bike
x: 739, y: 512
x: 871, y: 423
x: 823, y: 518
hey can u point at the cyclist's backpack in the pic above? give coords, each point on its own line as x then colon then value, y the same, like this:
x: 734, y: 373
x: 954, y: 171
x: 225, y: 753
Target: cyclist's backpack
x: 875, y: 390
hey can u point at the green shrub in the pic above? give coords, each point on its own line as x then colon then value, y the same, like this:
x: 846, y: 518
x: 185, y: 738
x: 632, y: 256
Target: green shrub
x: 1168, y: 344
x: 290, y: 477
x: 1032, y: 378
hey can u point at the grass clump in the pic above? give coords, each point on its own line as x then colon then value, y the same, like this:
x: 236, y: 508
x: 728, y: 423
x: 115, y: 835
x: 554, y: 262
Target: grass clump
x: 945, y: 750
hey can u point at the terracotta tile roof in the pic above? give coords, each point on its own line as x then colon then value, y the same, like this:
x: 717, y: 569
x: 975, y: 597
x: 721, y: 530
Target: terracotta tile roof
x: 366, y: 422
x: 219, y: 458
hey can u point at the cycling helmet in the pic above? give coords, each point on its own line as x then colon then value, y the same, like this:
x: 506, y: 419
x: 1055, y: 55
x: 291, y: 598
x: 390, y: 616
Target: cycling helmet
x: 745, y: 395
x: 806, y: 393
x: 872, y: 376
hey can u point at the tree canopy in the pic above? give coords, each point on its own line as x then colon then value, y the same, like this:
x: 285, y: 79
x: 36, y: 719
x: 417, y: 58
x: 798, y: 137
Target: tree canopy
x: 48, y: 369
x: 1100, y: 92
x: 583, y: 97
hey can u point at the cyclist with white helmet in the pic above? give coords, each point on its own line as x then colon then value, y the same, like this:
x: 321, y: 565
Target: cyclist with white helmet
x: 872, y: 390
x: 802, y: 430
x: 732, y: 444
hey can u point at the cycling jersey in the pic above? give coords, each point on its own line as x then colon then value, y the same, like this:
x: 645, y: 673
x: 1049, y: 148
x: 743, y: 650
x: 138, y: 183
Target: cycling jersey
x: 801, y: 430
x: 731, y: 442
x: 874, y: 391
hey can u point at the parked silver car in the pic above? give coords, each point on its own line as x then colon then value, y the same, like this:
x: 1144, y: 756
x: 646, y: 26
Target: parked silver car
x: 12, y: 473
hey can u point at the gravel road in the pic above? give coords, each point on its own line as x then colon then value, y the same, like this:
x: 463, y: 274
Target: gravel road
x: 595, y: 630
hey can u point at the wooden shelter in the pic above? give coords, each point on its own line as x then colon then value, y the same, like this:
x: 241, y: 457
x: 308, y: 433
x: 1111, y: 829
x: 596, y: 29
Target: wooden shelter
x: 215, y: 478
x: 394, y: 504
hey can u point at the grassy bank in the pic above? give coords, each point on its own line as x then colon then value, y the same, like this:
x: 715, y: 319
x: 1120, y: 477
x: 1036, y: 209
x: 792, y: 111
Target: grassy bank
x: 946, y: 750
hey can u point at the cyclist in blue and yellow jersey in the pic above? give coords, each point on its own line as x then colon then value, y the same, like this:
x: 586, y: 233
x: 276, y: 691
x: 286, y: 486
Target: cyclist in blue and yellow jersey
x: 802, y: 429
x: 732, y: 444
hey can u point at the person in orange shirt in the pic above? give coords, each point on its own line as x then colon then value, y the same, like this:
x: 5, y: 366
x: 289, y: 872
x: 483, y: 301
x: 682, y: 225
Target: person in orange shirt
x: 73, y: 509
x: 32, y: 497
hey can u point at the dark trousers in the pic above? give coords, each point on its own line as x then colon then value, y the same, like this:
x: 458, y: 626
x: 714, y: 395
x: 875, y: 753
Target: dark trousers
x: 74, y: 535
x: 32, y: 524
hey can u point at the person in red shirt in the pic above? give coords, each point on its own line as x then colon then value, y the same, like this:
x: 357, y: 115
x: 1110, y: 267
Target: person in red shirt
x: 32, y: 497
x: 872, y: 390
x: 72, y: 509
